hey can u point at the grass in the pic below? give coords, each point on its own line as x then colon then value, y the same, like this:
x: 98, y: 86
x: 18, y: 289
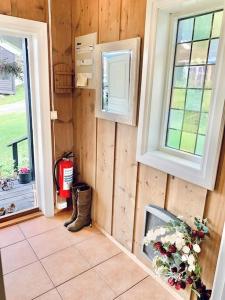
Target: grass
x: 19, y: 96
x: 12, y: 126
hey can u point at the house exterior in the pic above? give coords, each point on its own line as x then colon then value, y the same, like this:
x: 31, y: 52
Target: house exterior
x: 7, y: 81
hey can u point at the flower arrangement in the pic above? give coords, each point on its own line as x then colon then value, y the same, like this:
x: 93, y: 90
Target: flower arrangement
x: 24, y: 170
x: 177, y: 247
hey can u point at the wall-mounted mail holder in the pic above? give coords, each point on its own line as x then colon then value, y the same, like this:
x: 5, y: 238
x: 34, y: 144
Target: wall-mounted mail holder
x: 84, y: 61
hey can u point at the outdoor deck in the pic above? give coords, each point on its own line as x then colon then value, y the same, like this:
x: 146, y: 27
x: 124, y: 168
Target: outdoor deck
x: 21, y: 195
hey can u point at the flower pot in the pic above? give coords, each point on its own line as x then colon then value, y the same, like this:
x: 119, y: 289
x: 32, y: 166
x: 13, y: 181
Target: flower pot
x: 24, y: 178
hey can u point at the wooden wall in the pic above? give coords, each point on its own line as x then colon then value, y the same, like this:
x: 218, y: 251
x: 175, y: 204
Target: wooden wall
x: 60, y: 51
x: 122, y: 187
x: 106, y: 150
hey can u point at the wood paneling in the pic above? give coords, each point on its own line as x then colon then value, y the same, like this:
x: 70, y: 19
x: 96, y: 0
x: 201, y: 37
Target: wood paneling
x: 185, y: 199
x: 5, y: 7
x: 215, y: 212
x: 36, y: 10
x: 123, y: 187
x: 151, y: 189
x: 61, y: 36
x: 104, y: 174
x: 84, y: 21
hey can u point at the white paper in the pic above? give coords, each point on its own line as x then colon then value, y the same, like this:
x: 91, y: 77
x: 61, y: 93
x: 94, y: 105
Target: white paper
x: 82, y: 79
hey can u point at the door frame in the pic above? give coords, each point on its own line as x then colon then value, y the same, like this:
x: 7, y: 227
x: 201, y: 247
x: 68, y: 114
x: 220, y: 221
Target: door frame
x: 37, y: 36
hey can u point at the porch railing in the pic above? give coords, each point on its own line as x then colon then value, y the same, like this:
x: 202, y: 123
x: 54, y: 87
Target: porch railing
x: 14, y: 146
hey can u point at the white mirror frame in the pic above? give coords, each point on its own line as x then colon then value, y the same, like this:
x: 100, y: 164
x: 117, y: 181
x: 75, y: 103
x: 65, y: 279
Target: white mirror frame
x: 134, y: 46
x: 156, y: 54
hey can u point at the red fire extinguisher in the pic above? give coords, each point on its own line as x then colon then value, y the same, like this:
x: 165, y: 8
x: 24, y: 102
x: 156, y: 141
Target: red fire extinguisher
x: 63, y: 175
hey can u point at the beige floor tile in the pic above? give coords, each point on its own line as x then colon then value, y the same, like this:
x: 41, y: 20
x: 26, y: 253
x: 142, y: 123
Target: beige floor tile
x: 145, y: 290
x: 87, y: 286
x: 51, y: 295
x: 10, y: 235
x: 84, y: 234
x: 27, y: 283
x: 120, y: 272
x: 16, y: 256
x: 97, y: 249
x: 49, y: 242
x: 65, y: 265
x: 39, y: 225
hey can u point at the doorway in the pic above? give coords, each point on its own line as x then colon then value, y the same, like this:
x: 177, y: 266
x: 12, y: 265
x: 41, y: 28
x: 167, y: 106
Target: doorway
x: 25, y: 125
x: 17, y: 164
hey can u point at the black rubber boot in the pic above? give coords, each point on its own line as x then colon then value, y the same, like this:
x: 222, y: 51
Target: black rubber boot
x: 74, y: 202
x: 84, y: 209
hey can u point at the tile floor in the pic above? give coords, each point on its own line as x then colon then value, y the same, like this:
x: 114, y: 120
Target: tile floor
x: 42, y: 260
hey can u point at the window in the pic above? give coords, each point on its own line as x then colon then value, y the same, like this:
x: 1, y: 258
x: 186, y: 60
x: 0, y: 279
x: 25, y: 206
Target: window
x: 195, y: 56
x: 182, y: 98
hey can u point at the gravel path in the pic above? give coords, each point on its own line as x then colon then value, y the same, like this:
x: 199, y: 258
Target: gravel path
x: 11, y: 108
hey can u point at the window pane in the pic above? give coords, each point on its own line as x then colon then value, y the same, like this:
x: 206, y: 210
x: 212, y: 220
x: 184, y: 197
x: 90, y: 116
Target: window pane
x: 213, y: 51
x: 203, y: 123
x: 176, y: 119
x: 178, y: 98
x: 206, y: 100
x: 209, y: 77
x: 173, y: 138
x: 203, y: 25
x: 193, y: 76
x: 191, y: 121
x: 188, y: 141
x: 194, y: 99
x: 199, y: 52
x: 217, y: 22
x: 185, y: 29
x: 180, y: 77
x: 196, y: 77
x: 200, y: 145
x: 183, y: 54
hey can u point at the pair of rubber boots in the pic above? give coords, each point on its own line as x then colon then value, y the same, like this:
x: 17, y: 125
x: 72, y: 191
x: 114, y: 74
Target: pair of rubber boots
x: 81, y: 216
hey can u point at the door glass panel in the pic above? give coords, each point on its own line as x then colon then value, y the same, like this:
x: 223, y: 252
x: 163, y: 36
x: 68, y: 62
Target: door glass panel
x: 17, y: 178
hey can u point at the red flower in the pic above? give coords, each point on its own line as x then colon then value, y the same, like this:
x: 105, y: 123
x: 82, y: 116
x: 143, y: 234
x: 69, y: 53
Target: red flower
x: 162, y: 250
x: 200, y: 234
x: 157, y: 245
x: 174, y: 269
x: 172, y: 249
x: 177, y: 285
x: 189, y: 280
x: 171, y: 281
x: 190, y: 246
x: 180, y: 285
x: 194, y: 233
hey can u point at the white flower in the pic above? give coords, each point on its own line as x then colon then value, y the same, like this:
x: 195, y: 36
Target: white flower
x: 191, y: 268
x: 163, y: 240
x: 196, y: 248
x: 184, y: 257
x: 150, y: 236
x: 191, y: 259
x: 162, y: 231
x: 186, y: 249
x: 179, y: 242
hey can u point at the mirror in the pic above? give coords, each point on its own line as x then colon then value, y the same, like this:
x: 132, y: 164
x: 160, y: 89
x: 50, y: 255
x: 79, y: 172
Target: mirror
x: 117, y: 80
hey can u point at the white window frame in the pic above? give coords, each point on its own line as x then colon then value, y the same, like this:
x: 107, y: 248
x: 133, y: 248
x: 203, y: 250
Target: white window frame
x: 158, y: 58
x: 37, y: 36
